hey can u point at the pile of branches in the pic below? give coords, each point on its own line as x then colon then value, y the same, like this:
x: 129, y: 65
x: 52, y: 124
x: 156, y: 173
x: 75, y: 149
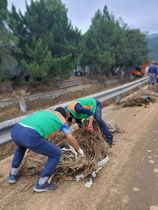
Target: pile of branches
x: 142, y: 98
x: 94, y: 147
x: 155, y: 87
x: 71, y: 164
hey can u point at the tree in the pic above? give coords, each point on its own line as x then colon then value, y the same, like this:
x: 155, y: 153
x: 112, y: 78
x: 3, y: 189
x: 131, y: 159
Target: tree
x: 7, y: 40
x: 110, y: 43
x: 47, y: 39
x: 97, y: 48
x: 139, y: 47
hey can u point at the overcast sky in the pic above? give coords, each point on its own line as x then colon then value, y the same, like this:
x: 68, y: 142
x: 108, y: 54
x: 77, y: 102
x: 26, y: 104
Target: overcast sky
x: 142, y: 14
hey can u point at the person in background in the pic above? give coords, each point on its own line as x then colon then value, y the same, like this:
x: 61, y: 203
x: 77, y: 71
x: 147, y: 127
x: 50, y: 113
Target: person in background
x: 89, y: 108
x: 157, y: 72
x: 33, y: 133
x: 152, y: 75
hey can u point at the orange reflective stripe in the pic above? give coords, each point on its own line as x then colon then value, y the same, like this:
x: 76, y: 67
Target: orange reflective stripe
x: 88, y: 106
x: 59, y: 115
x: 72, y: 106
x: 53, y: 134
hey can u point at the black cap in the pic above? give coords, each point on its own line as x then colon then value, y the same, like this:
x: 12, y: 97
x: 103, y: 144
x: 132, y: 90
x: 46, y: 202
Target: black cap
x: 61, y: 110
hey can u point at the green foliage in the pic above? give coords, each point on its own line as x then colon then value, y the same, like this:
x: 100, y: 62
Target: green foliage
x: 97, y: 50
x: 110, y: 43
x: 40, y: 62
x: 7, y: 40
x: 48, y: 42
x: 48, y: 46
x: 5, y: 75
x: 138, y: 45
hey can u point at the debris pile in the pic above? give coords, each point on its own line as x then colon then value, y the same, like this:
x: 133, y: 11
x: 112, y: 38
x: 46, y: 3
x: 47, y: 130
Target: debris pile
x: 71, y: 165
x: 155, y: 87
x: 142, y: 98
x: 113, y: 127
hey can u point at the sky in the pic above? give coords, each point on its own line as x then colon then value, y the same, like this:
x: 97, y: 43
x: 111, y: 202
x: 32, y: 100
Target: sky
x: 138, y: 14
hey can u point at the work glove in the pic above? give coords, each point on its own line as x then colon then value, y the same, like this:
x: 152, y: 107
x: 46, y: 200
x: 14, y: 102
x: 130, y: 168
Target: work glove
x: 80, y: 151
x: 90, y: 128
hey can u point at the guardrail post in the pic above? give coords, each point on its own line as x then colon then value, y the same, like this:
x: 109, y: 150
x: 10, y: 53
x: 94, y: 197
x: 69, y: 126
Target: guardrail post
x: 118, y: 98
x: 140, y: 87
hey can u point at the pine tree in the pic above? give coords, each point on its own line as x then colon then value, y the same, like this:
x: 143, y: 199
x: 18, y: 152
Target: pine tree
x: 110, y: 43
x: 47, y: 39
x: 7, y: 40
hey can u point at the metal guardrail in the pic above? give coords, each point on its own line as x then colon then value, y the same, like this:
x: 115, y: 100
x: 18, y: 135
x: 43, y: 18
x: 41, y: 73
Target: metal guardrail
x: 5, y: 127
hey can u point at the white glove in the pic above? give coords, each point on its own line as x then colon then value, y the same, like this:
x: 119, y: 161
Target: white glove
x: 80, y: 151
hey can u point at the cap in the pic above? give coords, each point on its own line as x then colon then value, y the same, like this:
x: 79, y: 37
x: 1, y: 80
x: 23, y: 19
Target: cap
x: 61, y: 110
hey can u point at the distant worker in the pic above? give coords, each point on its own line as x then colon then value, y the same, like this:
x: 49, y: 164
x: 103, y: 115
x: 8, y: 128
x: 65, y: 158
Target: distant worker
x: 32, y: 133
x: 152, y: 73
x: 89, y: 108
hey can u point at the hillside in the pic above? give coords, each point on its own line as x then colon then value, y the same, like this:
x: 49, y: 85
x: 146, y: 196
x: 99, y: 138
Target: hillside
x: 153, y: 45
x: 150, y: 36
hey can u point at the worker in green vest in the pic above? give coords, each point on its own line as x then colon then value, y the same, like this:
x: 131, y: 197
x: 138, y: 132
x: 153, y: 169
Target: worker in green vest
x: 89, y: 108
x: 33, y: 133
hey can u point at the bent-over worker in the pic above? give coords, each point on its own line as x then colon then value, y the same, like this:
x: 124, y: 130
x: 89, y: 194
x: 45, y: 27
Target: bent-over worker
x: 32, y: 133
x: 89, y: 108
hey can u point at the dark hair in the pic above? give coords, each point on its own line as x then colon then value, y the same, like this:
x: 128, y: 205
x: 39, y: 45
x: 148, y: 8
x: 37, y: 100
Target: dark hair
x: 61, y: 110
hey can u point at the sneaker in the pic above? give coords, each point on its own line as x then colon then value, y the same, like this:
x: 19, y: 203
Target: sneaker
x: 13, y: 178
x: 46, y: 187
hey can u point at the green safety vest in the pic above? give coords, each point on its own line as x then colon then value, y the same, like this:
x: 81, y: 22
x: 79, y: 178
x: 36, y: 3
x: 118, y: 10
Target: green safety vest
x: 47, y: 123
x: 88, y: 103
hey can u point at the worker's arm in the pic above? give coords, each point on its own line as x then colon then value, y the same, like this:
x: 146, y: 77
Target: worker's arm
x: 81, y: 109
x: 72, y: 141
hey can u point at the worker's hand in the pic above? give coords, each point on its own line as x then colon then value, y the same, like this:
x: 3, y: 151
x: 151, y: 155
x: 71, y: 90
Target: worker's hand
x: 80, y: 151
x: 90, y: 128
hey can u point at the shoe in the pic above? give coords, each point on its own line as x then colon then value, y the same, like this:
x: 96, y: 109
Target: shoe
x: 109, y: 141
x: 46, y: 187
x: 13, y: 178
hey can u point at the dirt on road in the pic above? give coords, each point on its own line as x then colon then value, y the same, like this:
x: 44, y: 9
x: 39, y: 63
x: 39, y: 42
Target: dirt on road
x: 123, y: 184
